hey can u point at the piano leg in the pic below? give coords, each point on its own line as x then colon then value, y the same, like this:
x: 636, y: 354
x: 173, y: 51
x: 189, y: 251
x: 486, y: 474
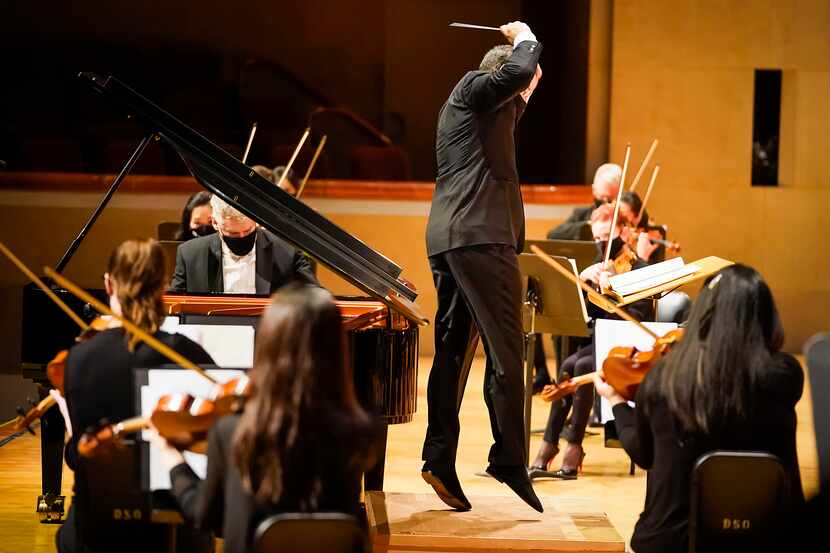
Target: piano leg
x: 50, y: 504
x: 373, y: 479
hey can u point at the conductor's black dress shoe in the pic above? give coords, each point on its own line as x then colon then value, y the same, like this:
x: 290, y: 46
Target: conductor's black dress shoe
x: 518, y: 480
x: 445, y: 483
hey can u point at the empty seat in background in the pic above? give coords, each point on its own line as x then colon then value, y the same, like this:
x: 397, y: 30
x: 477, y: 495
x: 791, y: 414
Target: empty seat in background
x: 379, y: 163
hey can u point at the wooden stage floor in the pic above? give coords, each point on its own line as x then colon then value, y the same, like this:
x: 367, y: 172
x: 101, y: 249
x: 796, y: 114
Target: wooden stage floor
x: 605, y: 484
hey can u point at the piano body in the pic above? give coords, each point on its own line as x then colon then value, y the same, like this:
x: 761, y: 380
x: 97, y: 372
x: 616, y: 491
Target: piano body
x: 382, y: 327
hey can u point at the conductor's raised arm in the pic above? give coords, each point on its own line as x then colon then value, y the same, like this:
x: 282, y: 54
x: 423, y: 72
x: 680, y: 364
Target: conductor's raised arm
x: 492, y: 88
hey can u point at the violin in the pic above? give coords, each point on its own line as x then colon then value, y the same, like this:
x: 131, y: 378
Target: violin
x: 654, y: 236
x: 624, y: 368
x: 182, y: 419
x: 625, y: 260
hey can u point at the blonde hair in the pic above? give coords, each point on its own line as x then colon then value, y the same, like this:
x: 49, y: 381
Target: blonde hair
x: 137, y: 270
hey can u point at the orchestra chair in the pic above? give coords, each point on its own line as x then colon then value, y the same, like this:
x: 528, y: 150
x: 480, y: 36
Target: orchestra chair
x: 166, y: 230
x: 612, y: 440
x: 303, y: 532
x: 738, y: 501
x: 116, y: 501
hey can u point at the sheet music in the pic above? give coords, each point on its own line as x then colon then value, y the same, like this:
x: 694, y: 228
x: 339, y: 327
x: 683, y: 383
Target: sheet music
x: 610, y: 333
x: 579, y: 291
x: 166, y: 381
x: 228, y: 345
x: 653, y: 275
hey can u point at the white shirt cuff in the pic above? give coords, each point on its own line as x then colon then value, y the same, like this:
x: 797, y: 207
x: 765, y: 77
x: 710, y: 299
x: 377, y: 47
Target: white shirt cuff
x: 521, y: 37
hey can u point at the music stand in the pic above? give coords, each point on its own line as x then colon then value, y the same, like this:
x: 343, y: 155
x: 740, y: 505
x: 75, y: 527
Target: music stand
x: 584, y: 252
x: 552, y: 305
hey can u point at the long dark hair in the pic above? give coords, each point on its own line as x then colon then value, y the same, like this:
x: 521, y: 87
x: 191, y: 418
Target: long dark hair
x: 300, y: 383
x: 194, y: 201
x: 708, y: 379
x: 636, y: 205
x: 137, y: 270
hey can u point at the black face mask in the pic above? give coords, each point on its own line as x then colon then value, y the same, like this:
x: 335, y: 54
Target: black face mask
x: 202, y: 230
x: 240, y: 245
x: 616, y: 246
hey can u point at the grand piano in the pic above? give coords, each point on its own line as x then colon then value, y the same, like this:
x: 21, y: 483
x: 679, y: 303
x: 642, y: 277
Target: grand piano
x: 382, y: 327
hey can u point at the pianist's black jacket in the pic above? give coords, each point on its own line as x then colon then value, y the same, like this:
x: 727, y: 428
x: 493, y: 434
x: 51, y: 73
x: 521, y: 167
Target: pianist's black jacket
x: 199, y: 265
x: 477, y: 199
x: 221, y: 503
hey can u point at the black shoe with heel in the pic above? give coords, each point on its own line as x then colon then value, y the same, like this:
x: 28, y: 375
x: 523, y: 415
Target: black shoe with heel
x: 517, y: 479
x: 570, y: 473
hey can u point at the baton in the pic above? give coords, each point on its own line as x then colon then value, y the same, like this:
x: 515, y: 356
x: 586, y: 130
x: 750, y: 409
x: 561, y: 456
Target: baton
x: 471, y: 26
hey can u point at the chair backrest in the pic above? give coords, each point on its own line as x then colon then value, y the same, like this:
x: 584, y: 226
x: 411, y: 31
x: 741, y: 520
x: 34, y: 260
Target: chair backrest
x: 305, y: 532
x: 167, y: 230
x: 737, y: 500
x: 817, y: 354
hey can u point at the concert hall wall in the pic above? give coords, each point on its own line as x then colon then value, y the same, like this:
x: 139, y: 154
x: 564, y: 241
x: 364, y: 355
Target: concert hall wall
x: 683, y: 73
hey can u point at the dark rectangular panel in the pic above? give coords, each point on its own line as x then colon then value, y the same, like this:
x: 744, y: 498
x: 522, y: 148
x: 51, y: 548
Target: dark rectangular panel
x: 766, y: 124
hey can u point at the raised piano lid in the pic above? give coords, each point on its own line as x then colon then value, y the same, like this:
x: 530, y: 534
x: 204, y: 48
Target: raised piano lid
x: 282, y: 214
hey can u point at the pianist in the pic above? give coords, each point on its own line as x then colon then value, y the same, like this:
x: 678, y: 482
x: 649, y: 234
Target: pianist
x: 239, y: 259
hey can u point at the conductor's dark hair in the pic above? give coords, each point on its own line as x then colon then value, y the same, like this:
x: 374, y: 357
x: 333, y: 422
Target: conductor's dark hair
x: 495, y: 57
x: 709, y: 378
x: 194, y: 201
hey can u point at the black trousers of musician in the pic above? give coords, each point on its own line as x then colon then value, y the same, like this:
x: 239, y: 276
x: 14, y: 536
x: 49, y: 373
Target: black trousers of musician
x: 479, y: 292
x: 578, y: 404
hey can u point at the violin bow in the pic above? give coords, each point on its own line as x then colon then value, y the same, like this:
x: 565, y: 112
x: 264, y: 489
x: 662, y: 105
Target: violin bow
x: 644, y: 164
x: 596, y: 298
x: 157, y: 345
x: 294, y: 156
x: 311, y: 165
x: 648, y: 194
x: 42, y: 285
x: 617, y: 206
x: 250, y: 141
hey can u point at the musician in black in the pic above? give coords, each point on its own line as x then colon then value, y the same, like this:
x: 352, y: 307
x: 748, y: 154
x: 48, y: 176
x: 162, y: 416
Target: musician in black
x: 605, y: 187
x: 240, y: 258
x: 99, y: 385
x: 475, y: 229
x: 725, y: 385
x: 578, y: 406
x: 196, y: 219
x: 302, y: 442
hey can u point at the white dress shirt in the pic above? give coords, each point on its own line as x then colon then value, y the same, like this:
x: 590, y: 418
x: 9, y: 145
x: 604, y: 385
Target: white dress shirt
x: 238, y: 272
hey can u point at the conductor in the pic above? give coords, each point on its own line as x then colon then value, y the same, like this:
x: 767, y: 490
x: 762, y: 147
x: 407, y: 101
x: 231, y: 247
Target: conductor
x: 475, y: 229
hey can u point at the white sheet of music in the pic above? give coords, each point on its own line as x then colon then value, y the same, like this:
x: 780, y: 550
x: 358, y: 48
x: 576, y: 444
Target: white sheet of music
x: 164, y: 381
x: 610, y: 333
x: 228, y: 345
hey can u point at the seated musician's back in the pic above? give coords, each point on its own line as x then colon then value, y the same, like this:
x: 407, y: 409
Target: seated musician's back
x: 99, y: 385
x: 302, y: 442
x: 239, y: 259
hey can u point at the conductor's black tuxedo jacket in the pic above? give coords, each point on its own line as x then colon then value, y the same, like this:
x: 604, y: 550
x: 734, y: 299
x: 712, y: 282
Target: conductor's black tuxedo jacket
x: 199, y: 265
x: 477, y: 198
